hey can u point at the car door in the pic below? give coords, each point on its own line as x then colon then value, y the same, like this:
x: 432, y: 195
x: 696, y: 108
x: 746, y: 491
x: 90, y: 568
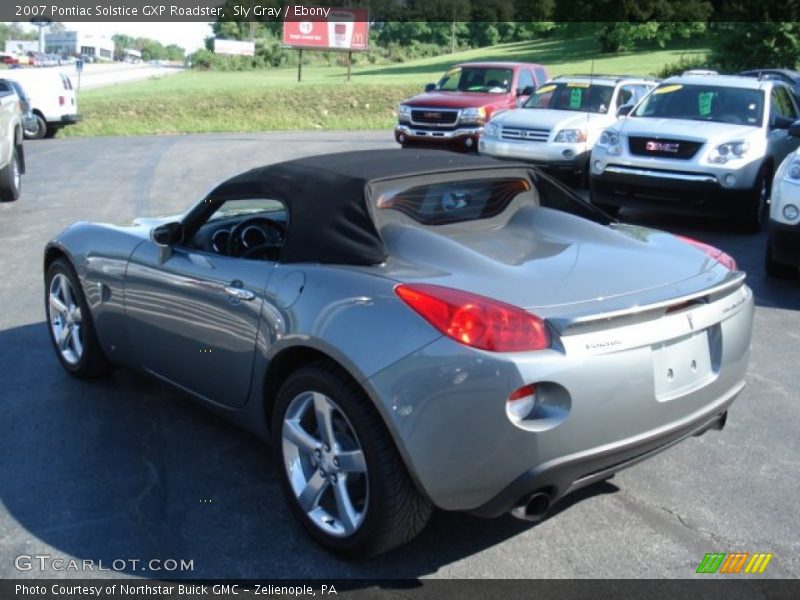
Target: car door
x: 193, y: 316
x: 781, y: 104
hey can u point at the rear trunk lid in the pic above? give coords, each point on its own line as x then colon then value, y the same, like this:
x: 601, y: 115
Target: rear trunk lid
x: 554, y: 263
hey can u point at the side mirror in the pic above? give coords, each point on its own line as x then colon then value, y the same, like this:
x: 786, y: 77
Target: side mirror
x: 429, y: 87
x: 168, y: 234
x: 624, y: 110
x: 781, y: 122
x: 794, y: 129
x: 526, y: 91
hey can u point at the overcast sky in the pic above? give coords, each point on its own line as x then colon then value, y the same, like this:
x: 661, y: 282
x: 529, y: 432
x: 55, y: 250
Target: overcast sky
x: 188, y: 35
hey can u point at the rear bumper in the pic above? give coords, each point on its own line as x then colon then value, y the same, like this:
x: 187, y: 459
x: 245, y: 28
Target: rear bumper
x: 66, y: 120
x: 461, y: 136
x: 784, y: 240
x: 564, y: 475
x: 667, y: 191
x: 601, y: 406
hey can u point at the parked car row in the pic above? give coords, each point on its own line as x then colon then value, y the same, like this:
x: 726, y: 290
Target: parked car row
x: 700, y: 144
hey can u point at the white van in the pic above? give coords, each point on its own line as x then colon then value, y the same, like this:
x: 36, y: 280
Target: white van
x: 52, y: 99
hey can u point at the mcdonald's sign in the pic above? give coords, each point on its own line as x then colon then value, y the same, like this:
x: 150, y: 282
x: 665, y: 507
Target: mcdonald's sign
x: 734, y: 563
x: 329, y: 29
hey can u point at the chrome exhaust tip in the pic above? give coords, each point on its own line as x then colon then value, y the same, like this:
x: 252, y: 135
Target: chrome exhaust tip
x: 534, y: 508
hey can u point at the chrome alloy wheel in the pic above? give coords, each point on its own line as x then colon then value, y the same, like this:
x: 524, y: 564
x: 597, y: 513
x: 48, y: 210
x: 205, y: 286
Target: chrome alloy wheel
x: 325, y: 464
x: 66, y: 322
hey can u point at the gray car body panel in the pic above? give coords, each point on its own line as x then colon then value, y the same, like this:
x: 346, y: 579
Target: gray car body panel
x: 604, y: 292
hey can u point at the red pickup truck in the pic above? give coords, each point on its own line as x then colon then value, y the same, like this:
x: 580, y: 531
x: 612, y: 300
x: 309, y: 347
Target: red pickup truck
x: 454, y: 110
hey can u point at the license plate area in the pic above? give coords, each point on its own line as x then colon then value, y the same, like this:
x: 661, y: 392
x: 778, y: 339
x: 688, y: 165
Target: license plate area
x: 682, y: 365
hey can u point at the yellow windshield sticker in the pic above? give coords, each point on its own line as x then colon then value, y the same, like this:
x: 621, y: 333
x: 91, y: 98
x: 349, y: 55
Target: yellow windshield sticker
x: 577, y: 84
x: 668, y: 88
x: 544, y: 89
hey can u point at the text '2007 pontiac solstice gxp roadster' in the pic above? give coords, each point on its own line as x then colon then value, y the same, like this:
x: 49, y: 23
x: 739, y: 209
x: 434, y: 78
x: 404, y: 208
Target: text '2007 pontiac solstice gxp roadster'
x: 413, y: 329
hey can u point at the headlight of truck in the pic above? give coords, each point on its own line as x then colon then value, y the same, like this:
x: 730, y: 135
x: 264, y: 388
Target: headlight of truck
x: 610, y: 140
x: 473, y: 115
x: 404, y: 112
x: 728, y: 151
x: 571, y: 136
x: 491, y: 130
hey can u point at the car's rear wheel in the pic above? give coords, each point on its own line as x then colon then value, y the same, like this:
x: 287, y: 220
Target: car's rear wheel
x: 755, y: 209
x: 776, y: 269
x: 37, y: 130
x: 70, y: 323
x: 11, y: 179
x: 341, y: 473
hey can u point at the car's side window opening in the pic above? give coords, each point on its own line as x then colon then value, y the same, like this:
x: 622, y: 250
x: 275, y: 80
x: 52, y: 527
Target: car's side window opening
x: 249, y: 228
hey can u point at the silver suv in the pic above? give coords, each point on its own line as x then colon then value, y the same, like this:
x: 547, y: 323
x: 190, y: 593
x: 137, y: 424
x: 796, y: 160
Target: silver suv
x: 558, y: 125
x: 697, y: 144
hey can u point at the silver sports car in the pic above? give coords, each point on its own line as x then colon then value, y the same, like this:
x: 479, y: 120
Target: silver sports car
x: 413, y: 329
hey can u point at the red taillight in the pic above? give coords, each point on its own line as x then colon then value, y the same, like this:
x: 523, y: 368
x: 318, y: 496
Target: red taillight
x: 725, y: 259
x: 474, y: 320
x: 61, y: 100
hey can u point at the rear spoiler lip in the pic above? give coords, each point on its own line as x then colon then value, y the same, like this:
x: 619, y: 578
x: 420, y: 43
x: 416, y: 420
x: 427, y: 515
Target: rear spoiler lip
x: 732, y: 281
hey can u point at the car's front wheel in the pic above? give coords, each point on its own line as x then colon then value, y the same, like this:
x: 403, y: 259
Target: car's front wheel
x: 11, y: 179
x: 755, y: 210
x: 776, y: 269
x: 340, y: 470
x: 70, y: 323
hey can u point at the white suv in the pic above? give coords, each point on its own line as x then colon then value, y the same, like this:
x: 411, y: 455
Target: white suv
x: 783, y: 239
x: 699, y: 145
x: 558, y: 125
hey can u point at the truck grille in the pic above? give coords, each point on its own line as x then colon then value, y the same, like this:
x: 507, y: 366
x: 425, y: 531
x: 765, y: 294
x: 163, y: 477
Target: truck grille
x: 525, y: 133
x: 666, y: 148
x: 434, y: 116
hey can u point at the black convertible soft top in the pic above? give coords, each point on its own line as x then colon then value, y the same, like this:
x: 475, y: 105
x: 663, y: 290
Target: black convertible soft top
x: 327, y: 197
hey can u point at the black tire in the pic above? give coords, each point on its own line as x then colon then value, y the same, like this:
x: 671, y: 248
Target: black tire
x: 51, y: 132
x: 92, y: 362
x: 754, y: 214
x: 39, y: 132
x: 11, y: 179
x: 395, y: 511
x: 776, y: 269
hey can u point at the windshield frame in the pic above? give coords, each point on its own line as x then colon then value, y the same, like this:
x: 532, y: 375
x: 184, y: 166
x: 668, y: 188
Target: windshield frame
x: 636, y: 113
x: 461, y: 70
x: 585, y: 85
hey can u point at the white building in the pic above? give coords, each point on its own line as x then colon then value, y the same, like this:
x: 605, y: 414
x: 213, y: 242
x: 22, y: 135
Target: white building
x: 17, y: 47
x: 74, y: 43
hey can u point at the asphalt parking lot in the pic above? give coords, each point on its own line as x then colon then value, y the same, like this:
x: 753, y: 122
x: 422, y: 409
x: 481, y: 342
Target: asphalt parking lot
x: 127, y: 468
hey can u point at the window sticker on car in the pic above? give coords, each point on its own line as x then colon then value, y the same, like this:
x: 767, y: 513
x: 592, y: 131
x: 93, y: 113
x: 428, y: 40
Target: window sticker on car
x: 544, y: 89
x: 704, y: 102
x: 668, y: 88
x: 577, y: 84
x: 575, y: 97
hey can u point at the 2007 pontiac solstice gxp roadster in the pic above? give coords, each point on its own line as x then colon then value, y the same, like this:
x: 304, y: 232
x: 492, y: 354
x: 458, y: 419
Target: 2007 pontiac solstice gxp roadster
x: 413, y: 329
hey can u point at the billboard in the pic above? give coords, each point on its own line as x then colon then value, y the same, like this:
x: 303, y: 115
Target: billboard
x: 234, y: 47
x: 338, y: 29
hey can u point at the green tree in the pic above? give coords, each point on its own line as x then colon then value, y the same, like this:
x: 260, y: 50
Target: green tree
x: 747, y: 45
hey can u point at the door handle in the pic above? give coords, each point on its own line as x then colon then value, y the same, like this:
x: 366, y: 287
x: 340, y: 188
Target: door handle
x: 239, y: 293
